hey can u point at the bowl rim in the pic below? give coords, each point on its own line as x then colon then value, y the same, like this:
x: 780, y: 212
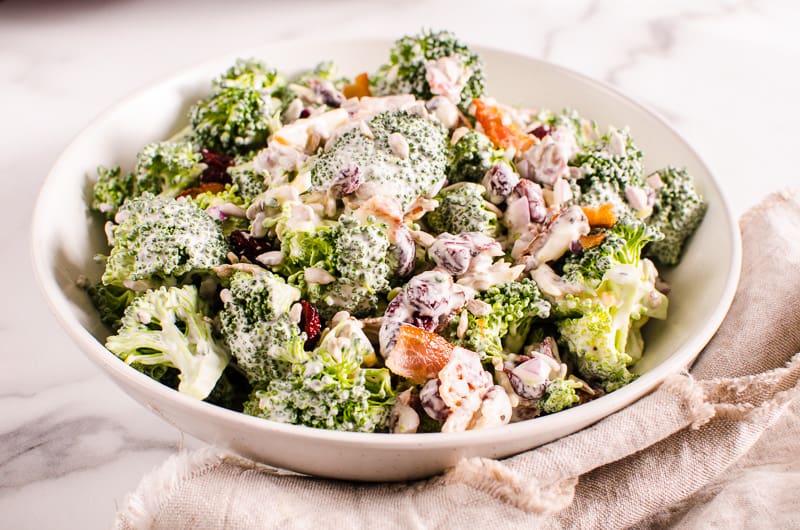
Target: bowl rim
x: 680, y: 359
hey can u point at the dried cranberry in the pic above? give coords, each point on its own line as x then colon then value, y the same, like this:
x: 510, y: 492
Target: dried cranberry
x: 541, y: 131
x: 525, y: 390
x: 305, y: 113
x: 217, y: 165
x: 327, y: 92
x: 451, y: 253
x: 404, y: 251
x: 546, y: 347
x: 244, y: 244
x: 425, y: 322
x: 347, y: 181
x: 432, y: 401
x: 311, y: 323
x: 536, y: 204
x: 500, y: 181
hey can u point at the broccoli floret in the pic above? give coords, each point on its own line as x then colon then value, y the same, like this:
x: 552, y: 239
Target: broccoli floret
x: 330, y: 390
x: 361, y: 253
x: 250, y: 181
x: 362, y: 270
x: 560, y: 394
x: 677, y: 213
x: 462, y: 208
x: 591, y: 339
x: 233, y: 120
x: 110, y: 301
x: 357, y: 256
x: 257, y: 328
x: 160, y: 240
x: 406, y: 71
x: 167, y: 328
x: 167, y: 168
x: 598, y: 339
x: 162, y: 168
x: 606, y: 175
x: 301, y: 249
x: 241, y: 111
x: 251, y: 74
x: 516, y: 306
x: 622, y: 244
x: 111, y: 189
x: 470, y: 158
x: 383, y: 169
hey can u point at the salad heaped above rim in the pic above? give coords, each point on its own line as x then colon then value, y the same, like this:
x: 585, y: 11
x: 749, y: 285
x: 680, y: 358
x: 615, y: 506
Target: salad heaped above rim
x: 399, y: 252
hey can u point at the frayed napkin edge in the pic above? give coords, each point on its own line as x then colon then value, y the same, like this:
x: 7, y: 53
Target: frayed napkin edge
x: 156, y: 488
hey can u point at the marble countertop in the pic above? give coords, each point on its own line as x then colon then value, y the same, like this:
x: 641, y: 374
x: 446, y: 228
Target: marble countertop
x: 72, y: 444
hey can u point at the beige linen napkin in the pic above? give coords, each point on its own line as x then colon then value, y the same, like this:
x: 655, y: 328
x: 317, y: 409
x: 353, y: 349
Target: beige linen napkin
x: 719, y: 447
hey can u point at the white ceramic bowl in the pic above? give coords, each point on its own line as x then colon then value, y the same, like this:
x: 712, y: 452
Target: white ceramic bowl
x: 66, y: 237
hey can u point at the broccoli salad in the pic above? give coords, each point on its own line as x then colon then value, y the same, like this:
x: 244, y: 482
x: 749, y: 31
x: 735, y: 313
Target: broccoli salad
x: 399, y: 252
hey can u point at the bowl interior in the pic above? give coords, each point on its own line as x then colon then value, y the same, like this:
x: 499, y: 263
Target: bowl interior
x: 66, y: 237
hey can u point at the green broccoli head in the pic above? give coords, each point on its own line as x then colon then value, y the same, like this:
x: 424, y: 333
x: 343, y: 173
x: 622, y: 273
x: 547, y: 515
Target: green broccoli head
x: 383, y: 164
x: 462, y: 208
x: 241, y: 111
x: 622, y: 244
x: 330, y: 390
x: 361, y: 251
x: 110, y: 301
x: 250, y: 74
x: 161, y: 240
x: 677, y: 213
x: 357, y: 256
x: 250, y: 181
x: 591, y: 340
x: 599, y: 337
x: 167, y: 168
x: 608, y: 171
x: 407, y: 70
x: 302, y: 249
x: 515, y: 307
x: 111, y: 189
x: 162, y: 168
x: 470, y: 158
x: 257, y: 327
x: 560, y: 394
x: 233, y: 120
x: 167, y: 328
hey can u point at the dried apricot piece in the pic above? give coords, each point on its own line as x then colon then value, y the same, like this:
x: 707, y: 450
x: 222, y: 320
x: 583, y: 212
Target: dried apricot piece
x: 359, y: 88
x: 213, y: 187
x: 601, y: 216
x: 502, y: 135
x: 591, y: 240
x: 418, y: 355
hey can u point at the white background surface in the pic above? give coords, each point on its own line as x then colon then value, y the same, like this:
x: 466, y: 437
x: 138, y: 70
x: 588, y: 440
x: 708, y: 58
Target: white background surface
x: 71, y: 444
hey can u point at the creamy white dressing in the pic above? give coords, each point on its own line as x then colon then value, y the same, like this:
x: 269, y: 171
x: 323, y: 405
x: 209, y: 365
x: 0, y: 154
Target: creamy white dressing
x: 447, y: 77
x: 568, y: 227
x: 297, y: 133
